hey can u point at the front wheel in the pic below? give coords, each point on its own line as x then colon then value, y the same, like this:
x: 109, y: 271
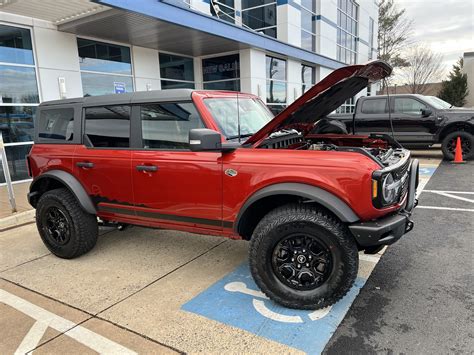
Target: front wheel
x: 448, y: 146
x: 302, y: 257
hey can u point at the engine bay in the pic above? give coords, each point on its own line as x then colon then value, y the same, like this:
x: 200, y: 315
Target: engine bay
x: 379, y: 147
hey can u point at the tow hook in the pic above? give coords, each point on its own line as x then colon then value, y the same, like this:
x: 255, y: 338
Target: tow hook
x: 409, y: 226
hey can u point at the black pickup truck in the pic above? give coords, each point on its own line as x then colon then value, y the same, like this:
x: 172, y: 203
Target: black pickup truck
x: 418, y: 121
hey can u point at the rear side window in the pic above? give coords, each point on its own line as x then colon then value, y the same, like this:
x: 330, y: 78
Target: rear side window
x: 108, y: 126
x: 374, y: 106
x: 167, y: 125
x: 57, y: 124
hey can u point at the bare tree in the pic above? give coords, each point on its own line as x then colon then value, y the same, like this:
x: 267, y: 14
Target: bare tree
x: 394, y: 33
x: 424, y: 67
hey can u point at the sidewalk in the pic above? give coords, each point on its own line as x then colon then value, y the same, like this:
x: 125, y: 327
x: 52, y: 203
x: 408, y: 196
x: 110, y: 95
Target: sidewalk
x: 24, y: 213
x: 22, y: 204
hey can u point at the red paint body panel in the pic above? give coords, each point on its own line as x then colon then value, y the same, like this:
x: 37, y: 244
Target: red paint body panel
x: 189, y: 191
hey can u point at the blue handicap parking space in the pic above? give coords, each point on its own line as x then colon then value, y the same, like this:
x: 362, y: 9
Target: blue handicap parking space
x: 236, y: 300
x: 427, y: 171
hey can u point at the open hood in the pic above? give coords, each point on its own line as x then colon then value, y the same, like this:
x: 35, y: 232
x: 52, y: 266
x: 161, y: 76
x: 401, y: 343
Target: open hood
x: 324, y: 97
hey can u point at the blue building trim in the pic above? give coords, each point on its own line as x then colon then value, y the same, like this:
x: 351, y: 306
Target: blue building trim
x: 207, y: 24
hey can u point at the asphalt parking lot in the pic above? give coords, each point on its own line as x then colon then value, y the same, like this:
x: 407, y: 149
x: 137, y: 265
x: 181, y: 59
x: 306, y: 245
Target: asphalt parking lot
x: 156, y: 291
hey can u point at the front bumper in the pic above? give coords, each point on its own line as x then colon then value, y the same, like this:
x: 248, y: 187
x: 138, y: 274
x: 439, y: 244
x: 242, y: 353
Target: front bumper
x: 388, y: 230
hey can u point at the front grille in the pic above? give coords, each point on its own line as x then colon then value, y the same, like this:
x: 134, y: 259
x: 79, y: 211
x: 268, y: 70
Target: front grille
x: 400, y: 174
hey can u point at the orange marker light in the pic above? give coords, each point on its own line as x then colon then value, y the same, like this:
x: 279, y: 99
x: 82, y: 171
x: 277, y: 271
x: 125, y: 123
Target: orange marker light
x: 374, y: 188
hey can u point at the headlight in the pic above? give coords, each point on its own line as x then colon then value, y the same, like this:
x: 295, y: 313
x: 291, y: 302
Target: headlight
x: 389, y: 189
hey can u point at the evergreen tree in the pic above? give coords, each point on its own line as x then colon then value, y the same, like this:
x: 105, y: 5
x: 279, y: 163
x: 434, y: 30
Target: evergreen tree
x: 454, y: 90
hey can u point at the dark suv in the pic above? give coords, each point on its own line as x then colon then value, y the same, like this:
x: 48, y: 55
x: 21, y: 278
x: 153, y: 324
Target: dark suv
x: 418, y: 121
x: 219, y: 163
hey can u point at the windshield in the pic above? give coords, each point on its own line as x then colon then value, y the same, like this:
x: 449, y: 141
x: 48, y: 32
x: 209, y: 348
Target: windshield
x: 437, y: 103
x: 252, y: 114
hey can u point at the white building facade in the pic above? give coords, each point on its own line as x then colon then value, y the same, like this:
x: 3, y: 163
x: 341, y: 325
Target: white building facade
x: 274, y: 49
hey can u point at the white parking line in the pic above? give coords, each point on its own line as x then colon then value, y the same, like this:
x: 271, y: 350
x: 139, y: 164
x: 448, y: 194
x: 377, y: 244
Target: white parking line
x: 450, y: 195
x: 446, y: 208
x: 45, y: 319
x: 32, y: 338
x: 451, y: 192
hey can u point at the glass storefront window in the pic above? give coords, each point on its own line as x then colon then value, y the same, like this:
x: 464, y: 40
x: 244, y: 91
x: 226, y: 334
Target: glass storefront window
x: 307, y: 77
x: 221, y: 73
x: 17, y: 123
x: 275, y: 68
x: 347, y: 21
x: 223, y: 9
x: 15, y: 45
x: 103, y: 57
x: 308, y: 25
x: 166, y: 84
x: 101, y: 84
x: 16, y: 157
x: 260, y: 15
x: 18, y: 85
x: 276, y: 92
x: 276, y: 84
x: 176, y: 71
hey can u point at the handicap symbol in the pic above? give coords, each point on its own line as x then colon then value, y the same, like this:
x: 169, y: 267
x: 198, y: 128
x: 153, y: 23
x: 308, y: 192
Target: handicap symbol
x: 425, y: 171
x: 262, y: 309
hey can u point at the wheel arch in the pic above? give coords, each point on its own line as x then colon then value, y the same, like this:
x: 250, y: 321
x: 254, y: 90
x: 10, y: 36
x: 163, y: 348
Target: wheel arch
x: 270, y: 197
x: 56, y: 179
x: 456, y: 126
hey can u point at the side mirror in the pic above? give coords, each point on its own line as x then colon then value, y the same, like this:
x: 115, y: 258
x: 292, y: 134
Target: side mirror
x: 203, y: 139
x: 207, y: 140
x: 425, y: 112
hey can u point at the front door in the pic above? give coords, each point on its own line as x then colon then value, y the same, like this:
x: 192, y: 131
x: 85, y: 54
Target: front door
x: 409, y: 124
x: 174, y: 187
x: 102, y: 163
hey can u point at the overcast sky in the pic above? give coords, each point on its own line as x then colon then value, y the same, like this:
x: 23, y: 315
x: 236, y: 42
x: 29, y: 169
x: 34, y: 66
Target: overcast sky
x: 447, y: 26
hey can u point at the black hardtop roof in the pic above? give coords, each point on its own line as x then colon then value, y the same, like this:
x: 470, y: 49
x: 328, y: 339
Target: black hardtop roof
x: 127, y: 98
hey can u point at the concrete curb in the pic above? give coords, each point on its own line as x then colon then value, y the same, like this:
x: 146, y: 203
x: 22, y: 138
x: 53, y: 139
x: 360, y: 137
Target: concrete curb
x: 17, y: 220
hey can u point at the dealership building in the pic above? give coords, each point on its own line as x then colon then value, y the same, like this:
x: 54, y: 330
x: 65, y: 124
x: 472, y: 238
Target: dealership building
x: 71, y: 48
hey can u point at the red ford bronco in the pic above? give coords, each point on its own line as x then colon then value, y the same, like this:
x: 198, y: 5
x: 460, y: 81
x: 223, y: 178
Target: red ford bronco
x: 307, y: 195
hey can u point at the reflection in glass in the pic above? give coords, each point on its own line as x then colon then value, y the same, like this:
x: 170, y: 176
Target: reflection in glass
x: 307, y: 77
x: 104, y: 57
x: 228, y: 113
x: 16, y: 157
x: 260, y: 18
x: 15, y: 45
x: 176, y: 67
x: 102, y: 84
x: 221, y: 68
x: 307, y: 40
x: 16, y: 123
x: 252, y: 3
x: 276, y: 91
x: 18, y: 84
x: 228, y: 85
x: 225, y: 9
x: 166, y: 84
x: 275, y: 68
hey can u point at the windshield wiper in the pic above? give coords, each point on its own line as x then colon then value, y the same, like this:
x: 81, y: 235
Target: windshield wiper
x: 246, y: 135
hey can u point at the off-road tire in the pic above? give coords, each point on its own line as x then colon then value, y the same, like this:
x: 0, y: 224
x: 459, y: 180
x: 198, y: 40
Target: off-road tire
x: 83, y: 228
x: 467, y: 141
x: 300, y: 218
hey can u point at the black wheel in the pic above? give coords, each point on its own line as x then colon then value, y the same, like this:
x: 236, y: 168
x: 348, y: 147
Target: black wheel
x: 448, y: 145
x: 65, y: 228
x: 302, y: 257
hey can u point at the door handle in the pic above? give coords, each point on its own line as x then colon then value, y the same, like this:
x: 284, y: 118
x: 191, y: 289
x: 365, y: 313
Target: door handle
x: 85, y: 165
x: 147, y: 168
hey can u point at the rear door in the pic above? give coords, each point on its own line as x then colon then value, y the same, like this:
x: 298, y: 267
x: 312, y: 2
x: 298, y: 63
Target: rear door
x: 174, y: 187
x: 373, y: 116
x: 103, y: 162
x: 408, y: 122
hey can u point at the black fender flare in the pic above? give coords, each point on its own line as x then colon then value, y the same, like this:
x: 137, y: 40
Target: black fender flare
x: 71, y: 183
x: 312, y: 193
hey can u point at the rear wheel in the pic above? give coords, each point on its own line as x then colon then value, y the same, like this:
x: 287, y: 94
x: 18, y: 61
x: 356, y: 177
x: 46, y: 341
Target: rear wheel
x: 65, y: 228
x: 448, y: 145
x: 302, y: 257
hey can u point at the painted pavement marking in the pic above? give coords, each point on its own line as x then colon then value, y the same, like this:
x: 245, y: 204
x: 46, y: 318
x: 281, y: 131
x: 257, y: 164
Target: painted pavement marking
x: 446, y: 208
x: 236, y: 301
x: 45, y: 319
